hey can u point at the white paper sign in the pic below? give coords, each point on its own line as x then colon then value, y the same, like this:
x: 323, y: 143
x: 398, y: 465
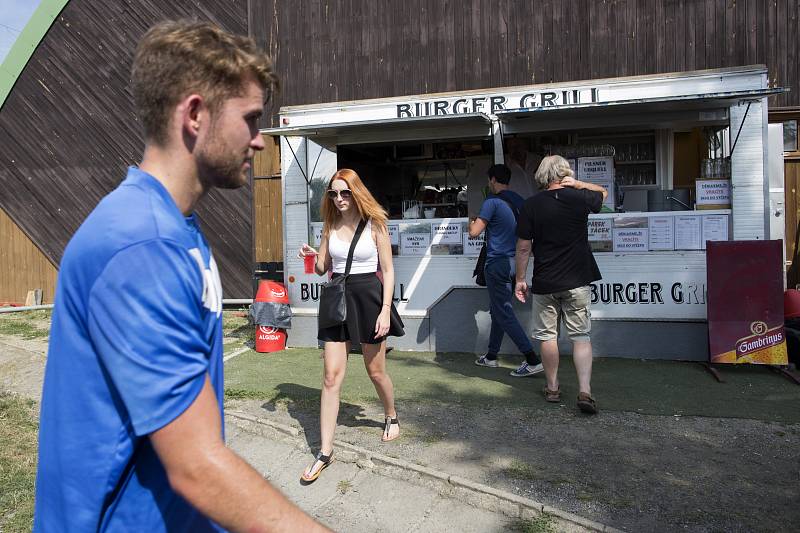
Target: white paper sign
x: 600, y: 171
x: 446, y: 233
x: 713, y: 192
x: 394, y: 234
x: 687, y: 232
x: 317, y: 231
x: 662, y: 233
x: 472, y: 246
x: 715, y: 228
x: 600, y: 229
x: 630, y: 240
x: 414, y: 243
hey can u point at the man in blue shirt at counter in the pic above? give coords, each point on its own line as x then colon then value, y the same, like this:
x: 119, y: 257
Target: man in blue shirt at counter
x: 498, y: 216
x: 131, y: 426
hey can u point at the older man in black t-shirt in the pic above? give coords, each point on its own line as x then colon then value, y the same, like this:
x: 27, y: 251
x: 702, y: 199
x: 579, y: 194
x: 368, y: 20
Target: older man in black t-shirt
x: 556, y: 220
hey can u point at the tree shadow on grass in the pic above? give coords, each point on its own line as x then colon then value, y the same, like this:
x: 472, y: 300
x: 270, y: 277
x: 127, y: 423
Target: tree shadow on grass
x: 303, y: 404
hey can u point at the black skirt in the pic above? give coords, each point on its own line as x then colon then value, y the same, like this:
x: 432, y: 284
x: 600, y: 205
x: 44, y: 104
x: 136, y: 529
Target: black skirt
x: 364, y: 295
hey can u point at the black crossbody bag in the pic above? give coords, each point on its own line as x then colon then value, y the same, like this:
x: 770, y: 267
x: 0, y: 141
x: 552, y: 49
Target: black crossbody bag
x: 478, y: 274
x: 332, y: 298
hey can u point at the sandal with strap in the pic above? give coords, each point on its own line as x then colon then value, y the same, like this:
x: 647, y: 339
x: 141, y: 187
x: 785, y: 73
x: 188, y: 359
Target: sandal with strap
x: 552, y: 396
x: 587, y: 404
x: 389, y: 422
x: 314, y: 474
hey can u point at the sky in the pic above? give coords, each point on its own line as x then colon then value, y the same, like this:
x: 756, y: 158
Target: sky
x: 14, y: 14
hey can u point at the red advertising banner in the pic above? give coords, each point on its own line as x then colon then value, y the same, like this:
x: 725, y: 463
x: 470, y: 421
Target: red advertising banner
x: 745, y: 302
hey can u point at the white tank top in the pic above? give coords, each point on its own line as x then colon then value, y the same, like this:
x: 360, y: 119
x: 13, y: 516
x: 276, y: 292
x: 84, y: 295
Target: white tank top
x: 365, y: 255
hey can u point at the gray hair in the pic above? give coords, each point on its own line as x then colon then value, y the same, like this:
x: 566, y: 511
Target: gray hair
x: 552, y: 169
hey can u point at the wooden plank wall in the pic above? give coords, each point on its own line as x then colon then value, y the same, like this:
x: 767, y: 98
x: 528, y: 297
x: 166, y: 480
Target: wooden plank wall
x: 267, y: 224
x: 68, y: 129
x: 267, y: 204
x: 23, y: 266
x: 329, y: 51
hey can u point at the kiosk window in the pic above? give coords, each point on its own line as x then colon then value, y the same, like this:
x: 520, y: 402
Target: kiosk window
x: 790, y: 136
x: 429, y: 189
x: 422, y: 180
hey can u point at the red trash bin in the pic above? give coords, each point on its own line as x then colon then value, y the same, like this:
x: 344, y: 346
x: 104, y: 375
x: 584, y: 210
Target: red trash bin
x: 791, y: 303
x: 268, y: 338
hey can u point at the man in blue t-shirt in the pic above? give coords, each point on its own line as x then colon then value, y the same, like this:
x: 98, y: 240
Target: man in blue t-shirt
x: 131, y: 426
x: 498, y: 217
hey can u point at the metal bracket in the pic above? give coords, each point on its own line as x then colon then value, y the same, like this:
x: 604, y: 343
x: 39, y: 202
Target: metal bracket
x: 784, y: 371
x: 746, y: 111
x: 297, y: 160
x: 713, y: 371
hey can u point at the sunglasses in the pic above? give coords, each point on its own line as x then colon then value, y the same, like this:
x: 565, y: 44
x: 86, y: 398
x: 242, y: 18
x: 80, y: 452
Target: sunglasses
x: 346, y: 194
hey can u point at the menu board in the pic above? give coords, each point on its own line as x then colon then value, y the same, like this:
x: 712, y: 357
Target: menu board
x: 600, y: 229
x: 714, y: 193
x: 414, y: 243
x: 662, y: 233
x: 472, y: 245
x: 446, y: 233
x: 687, y: 232
x: 600, y: 171
x: 630, y: 240
x: 715, y: 228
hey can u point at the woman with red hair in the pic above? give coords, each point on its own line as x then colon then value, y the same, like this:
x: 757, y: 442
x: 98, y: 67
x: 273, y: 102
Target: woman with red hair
x: 371, y: 317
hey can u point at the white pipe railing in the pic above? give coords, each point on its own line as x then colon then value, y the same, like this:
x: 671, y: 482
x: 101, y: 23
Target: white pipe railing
x: 25, y: 308
x: 231, y: 301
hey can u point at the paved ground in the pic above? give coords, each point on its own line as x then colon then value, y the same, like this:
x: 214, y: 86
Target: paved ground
x: 351, y: 496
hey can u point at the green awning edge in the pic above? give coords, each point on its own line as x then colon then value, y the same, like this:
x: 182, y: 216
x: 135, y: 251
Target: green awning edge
x: 23, y: 48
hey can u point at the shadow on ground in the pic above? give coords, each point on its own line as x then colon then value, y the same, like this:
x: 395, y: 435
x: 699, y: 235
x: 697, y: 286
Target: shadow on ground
x: 302, y: 404
x: 670, y: 449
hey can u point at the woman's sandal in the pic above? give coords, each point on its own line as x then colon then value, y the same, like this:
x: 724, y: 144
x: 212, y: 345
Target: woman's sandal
x: 587, y: 404
x: 325, y: 460
x: 552, y: 396
x: 389, y: 423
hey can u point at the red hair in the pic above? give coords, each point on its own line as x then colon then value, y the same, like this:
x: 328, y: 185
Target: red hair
x: 367, y: 206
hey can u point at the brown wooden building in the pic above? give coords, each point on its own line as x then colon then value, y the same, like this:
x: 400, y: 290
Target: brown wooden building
x: 68, y: 130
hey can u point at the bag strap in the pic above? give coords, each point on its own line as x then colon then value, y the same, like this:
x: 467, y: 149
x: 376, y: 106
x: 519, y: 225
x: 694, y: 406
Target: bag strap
x: 359, y: 229
x: 512, y: 206
x: 514, y: 211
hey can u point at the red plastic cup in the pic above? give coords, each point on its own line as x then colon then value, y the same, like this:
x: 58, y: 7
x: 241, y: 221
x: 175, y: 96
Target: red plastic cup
x: 309, y: 261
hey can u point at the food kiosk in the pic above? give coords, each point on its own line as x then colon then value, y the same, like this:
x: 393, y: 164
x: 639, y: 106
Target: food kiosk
x: 683, y: 155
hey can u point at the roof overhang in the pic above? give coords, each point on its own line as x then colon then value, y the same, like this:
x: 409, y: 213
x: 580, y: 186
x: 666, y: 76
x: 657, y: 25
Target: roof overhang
x: 695, y: 108
x: 395, y: 129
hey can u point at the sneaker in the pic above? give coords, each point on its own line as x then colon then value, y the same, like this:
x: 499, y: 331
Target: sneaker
x: 483, y: 361
x: 527, y: 370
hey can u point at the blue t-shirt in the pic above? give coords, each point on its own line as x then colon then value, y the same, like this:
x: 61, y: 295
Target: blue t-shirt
x: 136, y: 329
x: 501, y: 225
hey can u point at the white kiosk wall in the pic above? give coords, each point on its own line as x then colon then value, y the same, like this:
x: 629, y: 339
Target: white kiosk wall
x: 747, y: 179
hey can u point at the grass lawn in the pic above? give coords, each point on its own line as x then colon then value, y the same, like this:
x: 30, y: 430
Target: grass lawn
x: 18, y: 430
x: 647, y: 387
x: 26, y: 324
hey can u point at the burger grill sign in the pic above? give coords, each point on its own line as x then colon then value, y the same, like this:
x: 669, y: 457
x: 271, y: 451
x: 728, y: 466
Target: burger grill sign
x: 491, y: 104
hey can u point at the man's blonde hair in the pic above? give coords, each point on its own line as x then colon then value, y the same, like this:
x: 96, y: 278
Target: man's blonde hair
x: 178, y: 58
x: 552, y: 169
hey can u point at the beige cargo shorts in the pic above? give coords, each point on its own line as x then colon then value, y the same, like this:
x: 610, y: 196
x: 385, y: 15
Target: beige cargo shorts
x: 572, y: 306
